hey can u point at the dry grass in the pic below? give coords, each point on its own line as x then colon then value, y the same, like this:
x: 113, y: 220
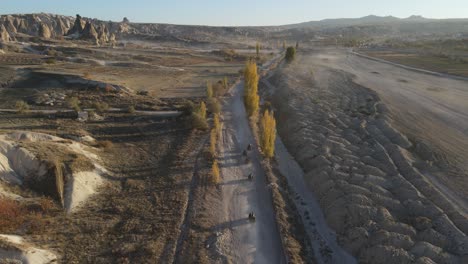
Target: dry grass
x: 15, y: 215
x: 105, y: 144
x: 295, y: 243
x: 11, y: 215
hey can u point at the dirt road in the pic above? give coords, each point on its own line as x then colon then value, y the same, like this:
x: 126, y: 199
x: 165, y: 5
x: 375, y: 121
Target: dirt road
x: 243, y: 241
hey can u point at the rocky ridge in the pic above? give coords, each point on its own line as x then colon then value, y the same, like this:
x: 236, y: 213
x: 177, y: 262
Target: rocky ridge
x: 361, y: 171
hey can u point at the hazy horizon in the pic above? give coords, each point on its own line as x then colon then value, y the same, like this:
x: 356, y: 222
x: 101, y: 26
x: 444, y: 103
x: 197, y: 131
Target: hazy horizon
x: 216, y: 13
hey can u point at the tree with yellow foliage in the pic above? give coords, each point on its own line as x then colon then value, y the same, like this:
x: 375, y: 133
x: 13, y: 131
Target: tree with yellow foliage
x: 217, y: 124
x: 202, y: 110
x: 268, y: 134
x: 215, y: 174
x: 209, y: 89
x: 213, y: 141
x: 251, y: 98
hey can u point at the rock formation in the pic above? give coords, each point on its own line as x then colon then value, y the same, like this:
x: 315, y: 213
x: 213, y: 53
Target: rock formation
x: 89, y: 32
x: 4, y: 35
x: 44, y: 31
x: 60, y: 28
x: 10, y: 27
x: 77, y: 27
x: 103, y: 34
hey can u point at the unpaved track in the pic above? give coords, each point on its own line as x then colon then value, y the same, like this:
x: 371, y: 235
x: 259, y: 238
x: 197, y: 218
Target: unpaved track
x: 242, y: 241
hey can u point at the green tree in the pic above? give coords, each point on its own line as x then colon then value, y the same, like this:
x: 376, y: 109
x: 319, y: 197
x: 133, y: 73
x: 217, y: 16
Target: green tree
x: 257, y: 49
x: 290, y: 54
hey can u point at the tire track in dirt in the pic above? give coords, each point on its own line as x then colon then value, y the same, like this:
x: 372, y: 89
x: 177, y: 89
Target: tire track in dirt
x: 184, y: 227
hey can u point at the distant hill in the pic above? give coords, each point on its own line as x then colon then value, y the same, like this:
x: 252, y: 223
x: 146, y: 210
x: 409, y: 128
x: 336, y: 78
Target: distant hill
x: 46, y: 26
x: 370, y: 20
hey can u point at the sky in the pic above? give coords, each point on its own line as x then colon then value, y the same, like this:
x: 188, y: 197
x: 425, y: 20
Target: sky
x: 237, y: 12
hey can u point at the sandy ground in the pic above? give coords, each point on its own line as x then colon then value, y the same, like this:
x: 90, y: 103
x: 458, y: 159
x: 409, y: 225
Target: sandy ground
x: 27, y: 254
x: 244, y: 241
x: 429, y: 108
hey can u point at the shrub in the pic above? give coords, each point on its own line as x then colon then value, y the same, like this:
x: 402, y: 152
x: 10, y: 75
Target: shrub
x: 47, y: 204
x: 12, y: 215
x: 108, y: 88
x: 101, y: 107
x: 51, y: 52
x: 87, y: 75
x: 144, y: 93
x: 51, y: 61
x: 131, y: 109
x: 105, y: 144
x: 198, y: 122
x: 268, y: 134
x: 91, y: 113
x: 189, y: 107
x: 214, y: 106
x: 290, y: 54
x: 74, y: 104
x: 21, y: 107
x: 215, y: 174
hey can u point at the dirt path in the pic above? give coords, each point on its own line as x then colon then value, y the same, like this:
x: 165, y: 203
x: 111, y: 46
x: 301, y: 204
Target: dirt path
x: 243, y: 241
x: 55, y: 111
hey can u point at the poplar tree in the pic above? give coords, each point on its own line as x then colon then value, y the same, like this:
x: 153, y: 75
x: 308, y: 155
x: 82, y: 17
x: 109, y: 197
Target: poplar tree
x: 251, y: 98
x: 257, y: 48
x: 202, y: 110
x: 209, y: 89
x: 268, y: 134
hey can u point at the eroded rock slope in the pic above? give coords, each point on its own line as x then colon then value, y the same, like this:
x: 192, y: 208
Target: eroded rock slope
x: 362, y: 171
